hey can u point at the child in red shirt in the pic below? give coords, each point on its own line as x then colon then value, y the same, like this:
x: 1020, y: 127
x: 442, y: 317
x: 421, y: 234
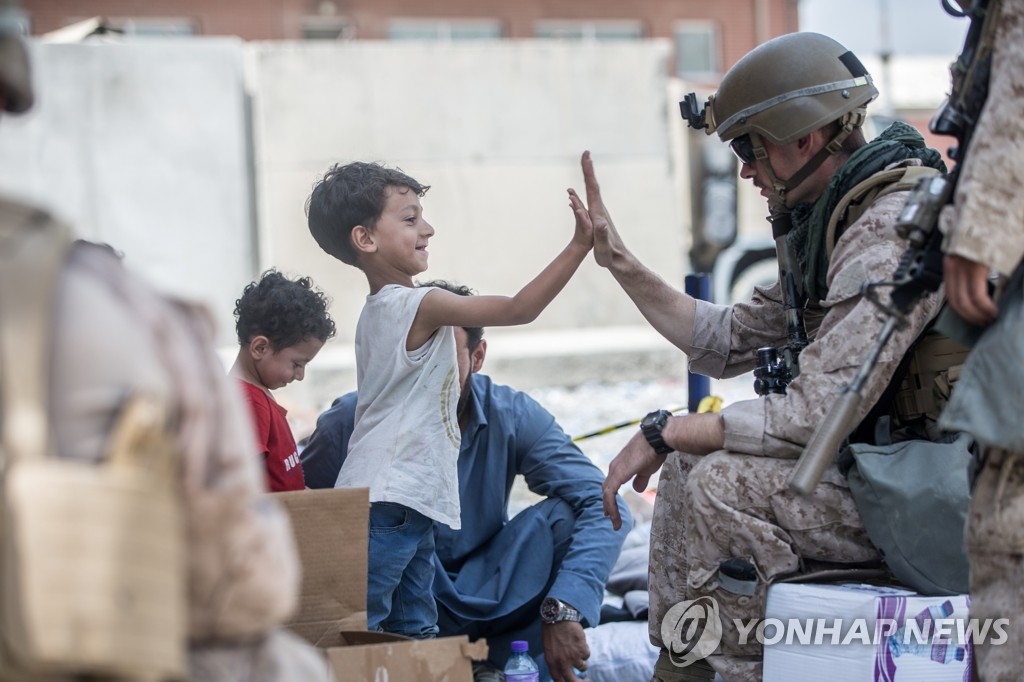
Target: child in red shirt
x: 282, y: 324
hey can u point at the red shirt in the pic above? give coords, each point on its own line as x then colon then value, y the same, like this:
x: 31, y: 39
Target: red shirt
x: 275, y: 440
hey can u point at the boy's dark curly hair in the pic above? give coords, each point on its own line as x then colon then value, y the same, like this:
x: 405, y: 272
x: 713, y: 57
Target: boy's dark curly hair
x: 350, y: 195
x: 285, y: 311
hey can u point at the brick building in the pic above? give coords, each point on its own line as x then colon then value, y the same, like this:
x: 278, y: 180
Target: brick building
x: 707, y: 36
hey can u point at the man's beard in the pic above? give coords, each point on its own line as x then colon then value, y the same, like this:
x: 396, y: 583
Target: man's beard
x: 460, y: 407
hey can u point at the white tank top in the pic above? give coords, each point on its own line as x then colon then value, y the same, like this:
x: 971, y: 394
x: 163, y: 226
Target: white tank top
x: 405, y: 443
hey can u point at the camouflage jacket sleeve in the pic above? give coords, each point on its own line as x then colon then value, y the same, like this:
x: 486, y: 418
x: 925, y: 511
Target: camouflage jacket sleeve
x: 726, y: 338
x: 987, y: 223
x: 780, y: 425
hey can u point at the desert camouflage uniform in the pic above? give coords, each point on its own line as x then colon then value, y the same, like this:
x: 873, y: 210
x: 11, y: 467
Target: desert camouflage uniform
x: 736, y: 503
x: 115, y: 337
x: 987, y: 226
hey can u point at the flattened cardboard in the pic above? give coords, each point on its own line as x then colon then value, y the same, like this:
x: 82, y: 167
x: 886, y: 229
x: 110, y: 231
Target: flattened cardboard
x: 331, y: 530
x: 445, y: 659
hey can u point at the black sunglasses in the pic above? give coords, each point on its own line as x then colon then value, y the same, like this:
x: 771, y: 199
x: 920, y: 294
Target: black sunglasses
x: 744, y: 149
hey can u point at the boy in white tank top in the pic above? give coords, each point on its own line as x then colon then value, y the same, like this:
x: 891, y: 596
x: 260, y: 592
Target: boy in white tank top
x: 405, y: 444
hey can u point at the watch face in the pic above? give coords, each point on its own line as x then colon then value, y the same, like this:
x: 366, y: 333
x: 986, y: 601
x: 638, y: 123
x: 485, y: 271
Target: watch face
x: 549, y: 609
x: 651, y: 427
x: 654, y: 420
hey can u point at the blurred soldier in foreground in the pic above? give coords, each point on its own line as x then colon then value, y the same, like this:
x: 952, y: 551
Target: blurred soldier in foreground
x: 985, y: 231
x: 726, y: 524
x: 107, y: 339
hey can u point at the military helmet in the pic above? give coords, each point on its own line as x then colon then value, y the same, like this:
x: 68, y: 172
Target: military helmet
x: 788, y: 87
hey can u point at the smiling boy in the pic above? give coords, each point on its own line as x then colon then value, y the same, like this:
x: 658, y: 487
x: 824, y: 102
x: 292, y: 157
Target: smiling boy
x: 405, y: 442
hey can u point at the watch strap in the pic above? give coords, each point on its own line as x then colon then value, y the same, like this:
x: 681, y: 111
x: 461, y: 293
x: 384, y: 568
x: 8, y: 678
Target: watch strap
x: 568, y: 613
x: 651, y: 427
x: 554, y: 610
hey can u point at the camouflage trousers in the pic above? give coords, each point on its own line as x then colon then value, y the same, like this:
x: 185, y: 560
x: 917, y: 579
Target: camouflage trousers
x: 995, y: 545
x: 730, y: 506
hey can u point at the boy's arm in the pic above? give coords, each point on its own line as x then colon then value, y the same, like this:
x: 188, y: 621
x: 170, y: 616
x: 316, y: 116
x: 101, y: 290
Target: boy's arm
x: 668, y: 310
x: 441, y: 308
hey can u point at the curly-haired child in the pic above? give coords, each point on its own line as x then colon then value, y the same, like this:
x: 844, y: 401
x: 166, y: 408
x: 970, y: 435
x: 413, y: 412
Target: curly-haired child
x: 281, y: 324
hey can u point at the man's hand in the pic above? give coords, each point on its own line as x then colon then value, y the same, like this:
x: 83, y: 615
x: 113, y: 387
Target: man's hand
x: 967, y: 290
x: 637, y: 461
x: 607, y: 243
x: 565, y: 646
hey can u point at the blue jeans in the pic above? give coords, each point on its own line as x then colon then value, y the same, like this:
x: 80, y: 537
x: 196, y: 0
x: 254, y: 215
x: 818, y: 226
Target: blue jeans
x: 400, y: 572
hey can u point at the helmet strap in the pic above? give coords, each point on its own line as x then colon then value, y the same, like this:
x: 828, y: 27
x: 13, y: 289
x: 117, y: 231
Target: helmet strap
x: 849, y: 122
x: 779, y: 188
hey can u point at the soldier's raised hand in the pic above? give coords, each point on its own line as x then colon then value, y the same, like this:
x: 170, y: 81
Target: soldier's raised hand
x: 607, y: 243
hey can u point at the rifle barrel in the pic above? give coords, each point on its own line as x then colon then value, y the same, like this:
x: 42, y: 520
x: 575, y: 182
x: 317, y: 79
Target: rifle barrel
x: 821, y: 450
x: 838, y: 422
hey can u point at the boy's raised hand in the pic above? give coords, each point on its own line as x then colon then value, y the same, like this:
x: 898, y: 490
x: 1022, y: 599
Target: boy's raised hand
x: 584, y: 235
x: 607, y: 243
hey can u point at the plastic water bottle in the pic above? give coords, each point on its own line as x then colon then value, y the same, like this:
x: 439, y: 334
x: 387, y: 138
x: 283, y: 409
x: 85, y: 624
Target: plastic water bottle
x: 520, y: 667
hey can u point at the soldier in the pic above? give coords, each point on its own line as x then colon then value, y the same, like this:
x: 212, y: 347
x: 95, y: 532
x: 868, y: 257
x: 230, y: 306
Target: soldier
x: 984, y: 231
x: 114, y: 338
x: 726, y: 524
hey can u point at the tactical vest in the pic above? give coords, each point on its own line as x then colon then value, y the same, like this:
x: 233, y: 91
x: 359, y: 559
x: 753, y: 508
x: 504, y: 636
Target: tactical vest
x: 854, y: 203
x: 92, y: 578
x: 923, y: 383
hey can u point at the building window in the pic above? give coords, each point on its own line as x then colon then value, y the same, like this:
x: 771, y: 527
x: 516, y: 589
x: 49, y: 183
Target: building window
x: 444, y: 29
x: 590, y: 30
x: 696, y: 50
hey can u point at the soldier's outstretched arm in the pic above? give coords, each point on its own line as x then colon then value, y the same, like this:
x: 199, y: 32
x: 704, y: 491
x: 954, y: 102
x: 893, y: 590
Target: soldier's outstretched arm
x: 669, y: 310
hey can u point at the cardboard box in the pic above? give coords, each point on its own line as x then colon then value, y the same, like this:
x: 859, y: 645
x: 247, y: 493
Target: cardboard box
x: 331, y: 531
x: 856, y: 633
x: 446, y: 659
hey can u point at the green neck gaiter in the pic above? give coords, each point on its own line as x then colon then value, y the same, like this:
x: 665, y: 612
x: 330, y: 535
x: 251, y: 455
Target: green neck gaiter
x: 897, y: 143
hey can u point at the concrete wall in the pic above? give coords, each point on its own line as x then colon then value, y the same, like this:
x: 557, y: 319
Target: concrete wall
x: 497, y: 130
x: 144, y: 145
x: 148, y: 145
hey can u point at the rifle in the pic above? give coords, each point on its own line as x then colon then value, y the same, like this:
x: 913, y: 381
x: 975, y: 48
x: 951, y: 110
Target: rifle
x: 919, y: 271
x: 772, y: 373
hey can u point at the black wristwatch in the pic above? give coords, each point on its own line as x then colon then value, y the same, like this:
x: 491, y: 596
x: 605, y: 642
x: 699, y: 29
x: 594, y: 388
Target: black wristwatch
x: 554, y: 610
x: 651, y: 427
